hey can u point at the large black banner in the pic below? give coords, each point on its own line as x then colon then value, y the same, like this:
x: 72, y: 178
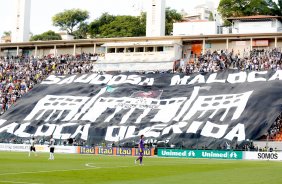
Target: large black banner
x: 201, y: 109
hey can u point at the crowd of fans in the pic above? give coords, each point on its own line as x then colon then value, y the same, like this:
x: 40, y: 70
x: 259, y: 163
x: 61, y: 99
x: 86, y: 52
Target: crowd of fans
x: 18, y: 75
x: 255, y: 60
x: 275, y: 128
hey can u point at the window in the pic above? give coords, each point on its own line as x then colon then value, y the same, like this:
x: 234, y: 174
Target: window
x: 159, y: 49
x: 149, y: 49
x: 120, y: 50
x: 111, y: 50
x: 139, y: 49
x: 131, y: 49
x: 168, y: 48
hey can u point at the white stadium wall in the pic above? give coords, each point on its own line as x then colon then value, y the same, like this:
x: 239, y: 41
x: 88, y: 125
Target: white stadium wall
x: 195, y: 28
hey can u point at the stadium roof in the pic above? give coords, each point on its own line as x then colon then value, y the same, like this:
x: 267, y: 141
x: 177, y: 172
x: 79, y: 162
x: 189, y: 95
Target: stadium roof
x: 255, y: 17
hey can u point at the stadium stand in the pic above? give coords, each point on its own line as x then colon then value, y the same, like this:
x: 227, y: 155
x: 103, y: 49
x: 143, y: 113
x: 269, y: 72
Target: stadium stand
x: 18, y: 75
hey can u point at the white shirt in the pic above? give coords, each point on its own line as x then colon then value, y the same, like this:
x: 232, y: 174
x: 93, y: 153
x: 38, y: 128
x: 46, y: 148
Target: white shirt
x: 52, y: 143
x: 32, y: 142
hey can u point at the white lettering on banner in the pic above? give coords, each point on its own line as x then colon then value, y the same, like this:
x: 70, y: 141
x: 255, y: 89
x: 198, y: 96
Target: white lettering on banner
x: 219, y: 102
x: 9, y: 128
x: 175, y: 80
x: 83, y: 130
x: 116, y: 137
x: 133, y: 79
x: 188, y: 103
x: 20, y: 131
x: 209, y: 127
x: 87, y: 106
x: 176, y: 129
x: 234, y: 78
x: 48, y: 132
x: 167, y: 108
x: 208, y: 115
x: 194, y: 127
x: 85, y: 78
x: 212, y: 79
x: 147, y: 82
x: 2, y: 121
x: 153, y: 131
x: 237, y: 131
x: 277, y: 75
x: 163, y: 129
x: 68, y: 80
x: 198, y: 79
x: 252, y: 76
x: 119, y: 79
x: 59, y: 135
x: 57, y: 103
x: 101, y: 79
x: 130, y: 132
x: 57, y: 129
x: 52, y: 79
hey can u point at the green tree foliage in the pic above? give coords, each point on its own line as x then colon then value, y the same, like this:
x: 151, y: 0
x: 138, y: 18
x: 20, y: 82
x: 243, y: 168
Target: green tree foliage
x: 126, y: 26
x: 171, y: 16
x: 211, y: 17
x: 82, y: 31
x: 123, y: 26
x: 7, y: 33
x: 49, y: 35
x: 94, y: 27
x: 69, y: 19
x: 276, y: 7
x: 237, y: 8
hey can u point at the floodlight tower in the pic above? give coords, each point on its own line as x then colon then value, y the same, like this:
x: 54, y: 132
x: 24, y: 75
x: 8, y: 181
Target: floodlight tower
x: 22, y: 29
x: 155, y: 25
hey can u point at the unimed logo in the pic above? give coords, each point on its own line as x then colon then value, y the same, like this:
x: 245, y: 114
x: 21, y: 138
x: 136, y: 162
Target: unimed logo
x: 269, y: 156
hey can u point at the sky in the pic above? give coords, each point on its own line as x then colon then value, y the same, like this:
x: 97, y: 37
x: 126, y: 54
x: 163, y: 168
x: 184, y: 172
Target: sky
x: 43, y: 10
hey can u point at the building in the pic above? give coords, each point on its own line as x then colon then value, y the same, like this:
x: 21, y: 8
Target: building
x: 202, y: 20
x: 6, y: 39
x: 256, y: 24
x: 144, y: 53
x: 21, y: 31
x: 203, y: 11
x: 155, y: 25
x: 66, y: 36
x: 195, y: 27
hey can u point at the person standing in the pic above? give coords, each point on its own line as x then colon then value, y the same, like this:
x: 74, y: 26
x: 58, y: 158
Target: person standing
x: 141, y: 150
x: 32, y: 147
x: 52, y: 148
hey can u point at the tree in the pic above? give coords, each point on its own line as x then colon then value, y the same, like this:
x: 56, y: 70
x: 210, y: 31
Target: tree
x: 211, y: 17
x: 49, y: 35
x: 69, y: 19
x: 82, y: 31
x: 237, y: 8
x: 94, y: 27
x: 117, y: 26
x: 171, y: 16
x: 7, y: 33
x: 276, y: 8
x: 123, y: 26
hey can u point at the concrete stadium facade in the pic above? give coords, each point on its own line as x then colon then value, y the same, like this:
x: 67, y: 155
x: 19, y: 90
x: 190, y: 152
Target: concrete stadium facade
x: 237, y: 42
